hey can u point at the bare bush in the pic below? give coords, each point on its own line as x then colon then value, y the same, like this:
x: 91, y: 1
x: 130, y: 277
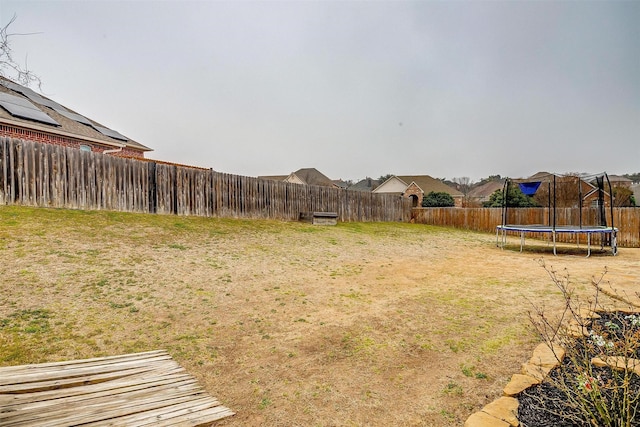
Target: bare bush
x: 596, y: 382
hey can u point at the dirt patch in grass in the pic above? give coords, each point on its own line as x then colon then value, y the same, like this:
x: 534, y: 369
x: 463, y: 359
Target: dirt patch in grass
x: 286, y: 323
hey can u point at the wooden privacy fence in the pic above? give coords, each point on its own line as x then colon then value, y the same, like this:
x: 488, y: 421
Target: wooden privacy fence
x: 627, y: 220
x: 45, y: 175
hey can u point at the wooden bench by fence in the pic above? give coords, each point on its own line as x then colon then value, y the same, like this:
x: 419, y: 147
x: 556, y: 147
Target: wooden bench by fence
x: 320, y: 218
x: 143, y: 389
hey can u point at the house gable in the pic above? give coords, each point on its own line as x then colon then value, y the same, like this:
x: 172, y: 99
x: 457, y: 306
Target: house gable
x: 294, y: 179
x: 392, y: 185
x: 415, y: 193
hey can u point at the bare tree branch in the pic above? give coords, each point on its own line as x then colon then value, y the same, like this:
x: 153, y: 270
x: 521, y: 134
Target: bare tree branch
x: 9, y: 67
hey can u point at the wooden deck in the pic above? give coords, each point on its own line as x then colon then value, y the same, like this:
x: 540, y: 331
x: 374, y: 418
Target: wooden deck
x: 143, y: 389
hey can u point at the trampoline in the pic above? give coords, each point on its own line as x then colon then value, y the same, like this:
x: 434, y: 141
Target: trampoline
x: 608, y: 233
x: 501, y: 234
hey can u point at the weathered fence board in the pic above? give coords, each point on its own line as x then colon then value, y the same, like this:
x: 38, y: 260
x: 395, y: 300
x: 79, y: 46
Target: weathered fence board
x: 627, y: 220
x: 34, y: 174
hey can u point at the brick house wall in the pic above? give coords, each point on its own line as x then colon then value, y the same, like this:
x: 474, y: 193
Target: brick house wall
x: 37, y: 136
x: 415, y: 193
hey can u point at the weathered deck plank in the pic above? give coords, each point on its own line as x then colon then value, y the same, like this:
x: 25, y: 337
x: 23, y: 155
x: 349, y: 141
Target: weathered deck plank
x: 71, y: 371
x: 142, y: 389
x: 91, y: 391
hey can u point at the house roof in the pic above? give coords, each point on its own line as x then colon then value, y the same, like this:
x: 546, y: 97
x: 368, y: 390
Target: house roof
x: 47, y: 116
x: 540, y: 176
x: 340, y: 183
x: 367, y: 184
x: 429, y: 184
x: 308, y: 176
x: 274, y: 177
x: 311, y: 176
x: 620, y: 179
x: 486, y: 189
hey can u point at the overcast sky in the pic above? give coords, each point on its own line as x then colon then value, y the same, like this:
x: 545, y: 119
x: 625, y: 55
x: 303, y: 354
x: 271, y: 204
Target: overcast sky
x: 354, y: 89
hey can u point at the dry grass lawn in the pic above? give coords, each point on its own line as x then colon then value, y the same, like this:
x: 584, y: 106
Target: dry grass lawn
x: 288, y: 324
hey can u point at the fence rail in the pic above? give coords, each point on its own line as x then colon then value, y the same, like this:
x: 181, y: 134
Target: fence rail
x: 627, y: 220
x: 45, y: 175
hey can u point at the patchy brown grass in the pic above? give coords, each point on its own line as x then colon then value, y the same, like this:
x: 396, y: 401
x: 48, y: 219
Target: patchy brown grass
x: 285, y: 323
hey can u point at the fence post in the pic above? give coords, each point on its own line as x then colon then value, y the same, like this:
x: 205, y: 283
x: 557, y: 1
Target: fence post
x: 175, y: 191
x: 153, y: 195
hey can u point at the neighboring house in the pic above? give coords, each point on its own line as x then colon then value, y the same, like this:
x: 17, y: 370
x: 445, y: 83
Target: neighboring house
x: 273, y: 177
x: 636, y: 193
x: 367, y: 184
x: 624, y: 186
x: 415, y: 187
x: 567, y: 190
x: 305, y: 176
x: 482, y: 193
x: 620, y: 181
x: 25, y: 114
x: 341, y: 184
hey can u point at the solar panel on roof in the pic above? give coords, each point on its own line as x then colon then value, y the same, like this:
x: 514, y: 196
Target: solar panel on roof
x: 59, y: 108
x: 110, y: 133
x: 29, y: 93
x: 44, y: 101
x: 20, y: 107
x: 9, y: 85
x: 73, y: 116
x: 21, y: 89
x: 36, y: 97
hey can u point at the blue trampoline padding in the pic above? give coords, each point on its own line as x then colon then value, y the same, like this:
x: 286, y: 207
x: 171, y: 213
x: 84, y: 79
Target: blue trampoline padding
x: 529, y: 188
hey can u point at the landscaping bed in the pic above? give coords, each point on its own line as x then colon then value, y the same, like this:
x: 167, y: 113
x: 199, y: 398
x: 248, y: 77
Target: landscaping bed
x: 576, y: 394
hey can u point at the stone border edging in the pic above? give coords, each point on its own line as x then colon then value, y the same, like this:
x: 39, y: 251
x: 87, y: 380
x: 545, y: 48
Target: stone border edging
x: 503, y: 412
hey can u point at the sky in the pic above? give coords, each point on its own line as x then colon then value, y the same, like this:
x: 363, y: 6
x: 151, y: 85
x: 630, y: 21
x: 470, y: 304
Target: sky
x: 354, y: 89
